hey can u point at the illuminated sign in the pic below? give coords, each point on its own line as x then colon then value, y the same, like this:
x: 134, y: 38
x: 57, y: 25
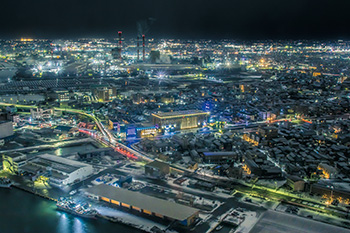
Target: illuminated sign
x: 148, y: 132
x: 131, y: 132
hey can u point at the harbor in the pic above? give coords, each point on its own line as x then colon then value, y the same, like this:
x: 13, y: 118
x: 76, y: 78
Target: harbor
x: 44, y: 217
x: 5, y: 182
x: 56, y: 197
x: 66, y: 206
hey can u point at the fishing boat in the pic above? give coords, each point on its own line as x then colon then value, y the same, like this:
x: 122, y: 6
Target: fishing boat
x: 79, y: 209
x: 5, y: 182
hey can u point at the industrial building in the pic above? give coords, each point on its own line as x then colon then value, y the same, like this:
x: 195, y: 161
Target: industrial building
x: 145, y: 204
x: 295, y: 183
x: 6, y: 129
x: 180, y: 119
x: 157, y: 169
x: 332, y: 190
x: 11, y: 162
x: 60, y: 171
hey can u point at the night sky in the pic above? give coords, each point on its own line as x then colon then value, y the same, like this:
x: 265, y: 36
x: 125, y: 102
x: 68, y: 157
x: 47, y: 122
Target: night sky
x: 214, y: 19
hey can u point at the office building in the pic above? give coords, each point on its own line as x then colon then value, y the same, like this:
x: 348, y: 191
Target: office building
x: 180, y: 119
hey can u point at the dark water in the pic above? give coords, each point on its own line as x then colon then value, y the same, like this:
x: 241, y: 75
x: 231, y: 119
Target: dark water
x: 71, y: 149
x: 22, y: 212
x: 66, y: 150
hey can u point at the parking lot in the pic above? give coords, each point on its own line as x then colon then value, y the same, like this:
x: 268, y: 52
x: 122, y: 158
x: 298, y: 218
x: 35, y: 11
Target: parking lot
x: 273, y: 221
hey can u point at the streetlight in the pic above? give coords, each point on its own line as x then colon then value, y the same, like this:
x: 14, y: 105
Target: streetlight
x: 332, y: 189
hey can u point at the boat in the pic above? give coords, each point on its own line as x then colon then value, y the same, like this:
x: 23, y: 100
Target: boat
x: 5, y: 182
x: 79, y: 209
x: 218, y: 228
x: 72, y: 192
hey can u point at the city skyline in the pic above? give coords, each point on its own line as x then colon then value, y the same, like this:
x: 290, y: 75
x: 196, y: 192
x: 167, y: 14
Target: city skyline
x: 174, y: 116
x: 177, y: 19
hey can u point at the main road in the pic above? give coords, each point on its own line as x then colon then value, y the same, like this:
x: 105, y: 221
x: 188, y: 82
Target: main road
x: 112, y: 141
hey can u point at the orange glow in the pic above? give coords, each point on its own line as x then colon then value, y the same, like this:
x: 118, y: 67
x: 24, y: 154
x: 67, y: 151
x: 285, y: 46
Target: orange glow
x: 324, y: 172
x: 310, y: 122
x: 147, y: 212
x: 125, y: 205
x: 247, y: 139
x: 26, y: 39
x: 246, y: 169
x: 159, y: 215
x: 115, y: 202
x: 105, y: 199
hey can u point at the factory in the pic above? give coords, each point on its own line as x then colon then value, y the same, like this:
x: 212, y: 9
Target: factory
x: 60, y: 171
x: 337, y: 190
x: 148, y: 205
x: 168, y: 121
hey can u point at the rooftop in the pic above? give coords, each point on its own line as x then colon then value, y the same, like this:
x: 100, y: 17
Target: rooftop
x: 30, y: 168
x: 156, y: 205
x: 179, y: 113
x: 58, y: 163
x: 219, y: 153
x: 157, y: 164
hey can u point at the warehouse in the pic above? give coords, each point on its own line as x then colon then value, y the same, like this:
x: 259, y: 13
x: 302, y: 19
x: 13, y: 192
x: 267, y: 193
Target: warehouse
x: 60, y: 171
x: 145, y: 204
x: 6, y: 129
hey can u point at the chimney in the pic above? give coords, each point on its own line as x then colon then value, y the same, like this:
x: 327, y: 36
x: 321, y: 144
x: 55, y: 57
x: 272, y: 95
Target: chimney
x: 120, y: 44
x: 143, y: 47
x: 138, y: 48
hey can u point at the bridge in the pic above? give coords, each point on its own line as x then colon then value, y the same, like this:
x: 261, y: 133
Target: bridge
x: 30, y: 148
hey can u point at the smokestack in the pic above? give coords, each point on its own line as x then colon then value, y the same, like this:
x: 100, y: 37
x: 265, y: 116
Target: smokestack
x: 120, y: 44
x: 143, y: 47
x: 138, y: 48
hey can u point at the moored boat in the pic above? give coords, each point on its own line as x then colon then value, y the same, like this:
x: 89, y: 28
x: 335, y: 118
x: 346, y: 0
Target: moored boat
x: 78, y: 209
x: 5, y: 182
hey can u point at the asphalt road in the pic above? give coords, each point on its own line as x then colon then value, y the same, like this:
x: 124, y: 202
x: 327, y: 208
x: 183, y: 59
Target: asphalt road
x: 273, y: 221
